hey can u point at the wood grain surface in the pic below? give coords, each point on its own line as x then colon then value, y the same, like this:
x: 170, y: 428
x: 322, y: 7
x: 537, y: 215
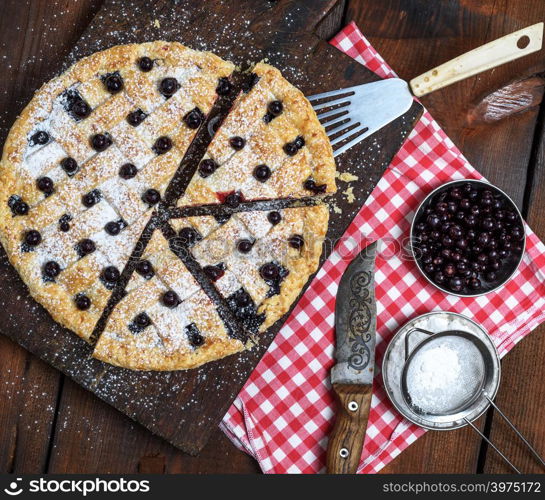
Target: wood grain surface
x: 185, y: 407
x: 48, y: 423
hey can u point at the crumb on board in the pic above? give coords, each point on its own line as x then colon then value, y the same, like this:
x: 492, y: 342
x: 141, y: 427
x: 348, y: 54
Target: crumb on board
x: 349, y: 193
x: 156, y: 23
x: 346, y: 176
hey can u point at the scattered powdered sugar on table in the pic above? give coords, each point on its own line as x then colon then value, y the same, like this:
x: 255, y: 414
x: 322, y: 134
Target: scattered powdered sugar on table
x: 444, y: 374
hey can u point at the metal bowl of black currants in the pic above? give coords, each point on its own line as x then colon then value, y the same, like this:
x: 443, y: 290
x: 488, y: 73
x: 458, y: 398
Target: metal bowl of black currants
x: 468, y: 238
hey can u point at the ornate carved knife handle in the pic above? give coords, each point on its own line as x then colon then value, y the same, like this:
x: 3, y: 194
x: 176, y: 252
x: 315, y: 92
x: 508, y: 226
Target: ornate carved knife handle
x: 346, y: 440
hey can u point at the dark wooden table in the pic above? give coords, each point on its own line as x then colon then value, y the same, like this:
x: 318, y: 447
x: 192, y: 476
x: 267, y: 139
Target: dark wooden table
x: 50, y: 424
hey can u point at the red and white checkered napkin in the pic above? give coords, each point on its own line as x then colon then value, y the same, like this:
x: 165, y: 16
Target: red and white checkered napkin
x: 284, y: 413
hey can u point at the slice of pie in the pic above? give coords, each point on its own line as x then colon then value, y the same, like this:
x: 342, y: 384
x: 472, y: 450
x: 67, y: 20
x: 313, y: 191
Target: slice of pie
x: 162, y: 205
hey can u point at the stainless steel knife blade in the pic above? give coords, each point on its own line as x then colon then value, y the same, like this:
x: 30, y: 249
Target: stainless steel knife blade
x: 355, y: 321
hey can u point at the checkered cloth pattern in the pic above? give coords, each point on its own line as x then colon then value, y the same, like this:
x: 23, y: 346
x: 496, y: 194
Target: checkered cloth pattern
x: 284, y: 413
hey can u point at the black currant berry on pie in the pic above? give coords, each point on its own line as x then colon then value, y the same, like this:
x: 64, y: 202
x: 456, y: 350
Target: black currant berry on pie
x: 170, y: 299
x: 80, y: 109
x: 46, y: 185
x: 145, y: 64
x: 135, y: 118
x: 244, y: 246
x: 19, y: 207
x: 101, y: 142
x: 188, y: 235
x: 91, y: 198
x: 83, y: 303
x: 274, y: 218
x: 113, y: 228
x: 290, y: 148
x: 33, y: 238
x: 233, y: 200
x: 207, y: 167
x: 310, y: 185
x: 64, y: 223
x: 128, y: 171
x: 40, y: 138
x: 142, y: 320
x: 237, y: 143
x: 151, y: 197
x: 69, y: 165
x: 111, y: 274
x: 145, y: 269
x: 168, y: 86
x: 86, y: 246
x: 214, y: 273
x: 262, y: 173
x: 296, y: 241
x: 269, y: 271
x: 114, y: 83
x: 51, y: 269
x: 275, y: 108
x: 194, y: 118
x: 162, y: 145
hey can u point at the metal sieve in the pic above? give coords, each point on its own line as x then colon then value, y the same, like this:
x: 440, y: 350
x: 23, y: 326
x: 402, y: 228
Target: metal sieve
x: 442, y: 371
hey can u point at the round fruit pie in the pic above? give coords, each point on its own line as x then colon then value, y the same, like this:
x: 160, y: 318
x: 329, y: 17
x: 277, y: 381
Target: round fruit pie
x: 163, y: 206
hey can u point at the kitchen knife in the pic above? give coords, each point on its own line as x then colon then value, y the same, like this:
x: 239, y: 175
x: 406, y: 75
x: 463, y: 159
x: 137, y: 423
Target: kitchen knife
x: 352, y: 375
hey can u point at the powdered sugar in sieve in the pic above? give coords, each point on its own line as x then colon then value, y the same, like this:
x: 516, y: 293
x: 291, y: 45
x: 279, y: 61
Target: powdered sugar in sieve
x: 444, y: 375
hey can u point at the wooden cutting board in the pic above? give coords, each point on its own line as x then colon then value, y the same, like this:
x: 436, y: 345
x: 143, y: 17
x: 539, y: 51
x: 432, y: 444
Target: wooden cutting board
x: 184, y: 407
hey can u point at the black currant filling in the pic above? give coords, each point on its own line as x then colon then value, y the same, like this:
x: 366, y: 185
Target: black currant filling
x: 110, y: 276
x: 64, y: 223
x: 194, y: 335
x: 135, y: 118
x: 249, y: 84
x: 113, y: 82
x: 91, y: 198
x: 50, y: 271
x: 39, y: 138
x: 168, y: 87
x: 69, y: 165
x: 145, y: 269
x: 273, y: 274
x: 17, y: 205
x: 75, y: 105
x: 245, y: 310
x: 83, y: 303
x: 101, y: 142
x: 85, y: 247
x: 139, y: 323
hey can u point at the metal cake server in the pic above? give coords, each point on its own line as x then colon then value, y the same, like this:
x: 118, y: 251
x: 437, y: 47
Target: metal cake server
x: 352, y: 375
x: 354, y: 113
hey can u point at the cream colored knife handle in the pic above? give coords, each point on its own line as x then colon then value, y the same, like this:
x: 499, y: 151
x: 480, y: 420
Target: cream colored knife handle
x: 487, y: 56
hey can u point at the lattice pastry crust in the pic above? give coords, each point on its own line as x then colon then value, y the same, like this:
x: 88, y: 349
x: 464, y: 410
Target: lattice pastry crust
x: 162, y: 255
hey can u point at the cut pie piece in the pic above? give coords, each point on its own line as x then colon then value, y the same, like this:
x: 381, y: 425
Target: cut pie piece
x: 271, y: 145
x: 165, y: 321
x: 88, y: 157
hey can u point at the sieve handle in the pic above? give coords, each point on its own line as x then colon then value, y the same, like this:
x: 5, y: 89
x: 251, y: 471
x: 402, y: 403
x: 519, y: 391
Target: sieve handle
x: 517, y: 432
x: 408, y: 334
x: 507, y: 461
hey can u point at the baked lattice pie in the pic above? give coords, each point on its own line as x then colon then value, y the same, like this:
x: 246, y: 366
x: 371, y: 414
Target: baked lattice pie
x: 163, y: 206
